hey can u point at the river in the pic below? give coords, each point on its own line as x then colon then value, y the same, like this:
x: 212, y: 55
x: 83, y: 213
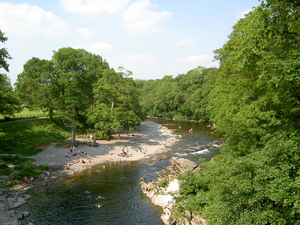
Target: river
x: 72, y: 200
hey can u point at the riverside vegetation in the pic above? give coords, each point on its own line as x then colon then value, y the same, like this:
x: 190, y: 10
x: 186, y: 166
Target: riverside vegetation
x: 253, y: 99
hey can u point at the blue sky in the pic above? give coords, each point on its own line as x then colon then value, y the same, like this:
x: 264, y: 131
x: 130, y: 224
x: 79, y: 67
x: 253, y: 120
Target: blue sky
x: 151, y: 38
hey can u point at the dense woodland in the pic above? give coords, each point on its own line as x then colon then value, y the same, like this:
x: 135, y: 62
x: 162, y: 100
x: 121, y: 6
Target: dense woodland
x: 253, y: 98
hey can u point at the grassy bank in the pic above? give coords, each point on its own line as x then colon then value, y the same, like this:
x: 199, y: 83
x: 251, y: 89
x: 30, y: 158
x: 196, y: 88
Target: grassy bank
x: 24, y: 138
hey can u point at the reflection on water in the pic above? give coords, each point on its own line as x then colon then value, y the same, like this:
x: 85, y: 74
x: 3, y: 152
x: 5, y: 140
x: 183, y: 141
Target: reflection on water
x: 72, y: 200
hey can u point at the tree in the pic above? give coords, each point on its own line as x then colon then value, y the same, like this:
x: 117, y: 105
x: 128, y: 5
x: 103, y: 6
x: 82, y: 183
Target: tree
x: 4, y: 55
x: 116, y: 103
x: 63, y: 85
x: 255, y: 104
x: 9, y: 103
x: 36, y: 86
x: 76, y: 70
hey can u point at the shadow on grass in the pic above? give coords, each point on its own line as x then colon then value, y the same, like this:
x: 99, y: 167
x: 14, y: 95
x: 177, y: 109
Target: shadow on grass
x: 26, y: 137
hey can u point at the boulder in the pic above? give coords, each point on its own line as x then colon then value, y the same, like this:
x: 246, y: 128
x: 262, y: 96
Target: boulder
x: 164, y: 197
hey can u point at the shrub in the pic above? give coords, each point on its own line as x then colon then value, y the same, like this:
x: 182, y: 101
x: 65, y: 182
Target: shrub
x: 163, y: 183
x: 4, y: 169
x: 19, y: 167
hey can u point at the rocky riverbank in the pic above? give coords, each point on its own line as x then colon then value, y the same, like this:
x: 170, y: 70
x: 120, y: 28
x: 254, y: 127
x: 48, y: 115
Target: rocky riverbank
x: 164, y: 195
x: 12, y: 198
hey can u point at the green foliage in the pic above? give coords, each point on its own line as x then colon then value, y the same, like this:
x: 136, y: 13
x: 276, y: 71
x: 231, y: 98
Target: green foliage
x: 4, y: 169
x: 116, y: 103
x: 193, y: 190
x: 4, y: 55
x: 182, y: 97
x: 9, y: 103
x: 19, y: 167
x: 255, y: 104
x: 104, y: 135
x: 80, y: 89
x: 162, y: 183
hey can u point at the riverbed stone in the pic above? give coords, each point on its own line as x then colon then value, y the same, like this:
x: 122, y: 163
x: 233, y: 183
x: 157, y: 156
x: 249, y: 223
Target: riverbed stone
x: 164, y: 197
x: 9, y: 200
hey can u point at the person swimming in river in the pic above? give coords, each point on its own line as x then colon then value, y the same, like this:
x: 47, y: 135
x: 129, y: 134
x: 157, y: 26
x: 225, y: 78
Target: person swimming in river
x: 98, y: 205
x: 99, y: 197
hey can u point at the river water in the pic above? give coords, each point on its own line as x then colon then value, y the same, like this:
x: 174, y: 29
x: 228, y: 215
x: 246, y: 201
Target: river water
x: 72, y: 200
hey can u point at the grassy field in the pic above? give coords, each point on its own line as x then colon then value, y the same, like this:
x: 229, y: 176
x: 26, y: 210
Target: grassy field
x: 19, y: 139
x: 24, y: 137
x: 26, y: 114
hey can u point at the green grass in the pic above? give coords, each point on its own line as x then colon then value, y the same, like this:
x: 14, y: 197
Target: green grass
x: 30, y: 171
x: 163, y: 183
x: 4, y: 169
x: 25, y: 137
x: 26, y: 113
x: 16, y: 160
x: 23, y: 167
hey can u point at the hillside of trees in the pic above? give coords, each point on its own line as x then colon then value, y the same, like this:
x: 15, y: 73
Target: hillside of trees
x: 253, y: 98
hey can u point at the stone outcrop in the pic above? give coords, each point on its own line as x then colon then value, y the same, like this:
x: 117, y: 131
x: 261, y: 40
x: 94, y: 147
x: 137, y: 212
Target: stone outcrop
x: 164, y: 196
x: 9, y: 201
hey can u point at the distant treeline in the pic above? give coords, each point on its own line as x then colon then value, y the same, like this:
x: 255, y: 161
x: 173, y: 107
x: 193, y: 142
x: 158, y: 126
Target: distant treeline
x: 185, y: 96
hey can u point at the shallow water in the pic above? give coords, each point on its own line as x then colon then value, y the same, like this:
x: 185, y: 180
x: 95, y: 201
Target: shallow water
x: 72, y: 200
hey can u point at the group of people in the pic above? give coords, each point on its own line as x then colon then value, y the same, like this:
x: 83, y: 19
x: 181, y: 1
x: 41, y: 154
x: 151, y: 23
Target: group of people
x: 123, y: 152
x: 88, y: 136
x: 97, y: 198
x: 71, y: 151
x: 143, y: 151
x: 75, y: 161
x: 46, y: 176
x: 81, y: 154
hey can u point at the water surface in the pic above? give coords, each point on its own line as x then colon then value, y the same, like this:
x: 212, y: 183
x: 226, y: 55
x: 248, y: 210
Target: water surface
x: 72, y: 200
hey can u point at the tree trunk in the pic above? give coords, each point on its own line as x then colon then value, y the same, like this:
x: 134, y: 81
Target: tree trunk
x: 51, y: 114
x: 73, y: 133
x: 95, y: 136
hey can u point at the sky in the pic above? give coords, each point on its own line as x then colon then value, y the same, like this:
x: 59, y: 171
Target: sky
x: 151, y: 38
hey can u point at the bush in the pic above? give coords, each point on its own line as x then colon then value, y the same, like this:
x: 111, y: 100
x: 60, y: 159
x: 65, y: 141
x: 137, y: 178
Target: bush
x: 19, y: 167
x: 4, y: 169
x: 163, y: 183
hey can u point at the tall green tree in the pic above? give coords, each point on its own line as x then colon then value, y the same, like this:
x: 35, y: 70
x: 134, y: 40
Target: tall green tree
x: 76, y: 70
x: 9, y: 103
x: 36, y: 86
x: 63, y: 85
x: 4, y: 55
x: 116, y: 103
x: 255, y: 104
